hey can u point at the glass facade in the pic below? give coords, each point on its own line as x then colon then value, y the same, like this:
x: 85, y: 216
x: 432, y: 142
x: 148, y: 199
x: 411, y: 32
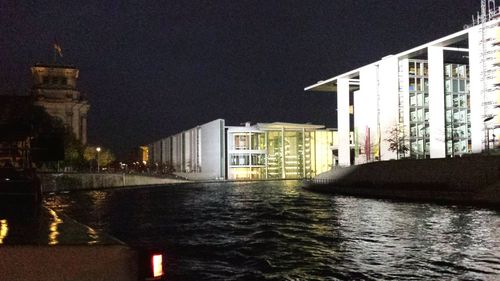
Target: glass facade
x: 294, y: 154
x: 457, y: 104
x: 309, y: 154
x: 414, y: 107
x: 274, y: 155
x: 283, y: 153
x: 247, y: 159
x: 418, y: 86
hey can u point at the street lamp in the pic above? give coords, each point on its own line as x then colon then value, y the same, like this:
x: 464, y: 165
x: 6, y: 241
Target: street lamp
x: 98, y: 149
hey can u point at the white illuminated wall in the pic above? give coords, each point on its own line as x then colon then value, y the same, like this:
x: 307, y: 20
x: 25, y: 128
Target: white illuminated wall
x: 343, y: 121
x: 388, y: 102
x: 476, y: 97
x: 365, y: 109
x: 436, y: 102
x: 197, y: 153
x: 213, y: 163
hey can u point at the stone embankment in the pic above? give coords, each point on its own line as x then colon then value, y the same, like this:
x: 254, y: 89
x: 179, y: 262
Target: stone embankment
x: 39, y: 244
x: 462, y: 180
x: 54, y: 182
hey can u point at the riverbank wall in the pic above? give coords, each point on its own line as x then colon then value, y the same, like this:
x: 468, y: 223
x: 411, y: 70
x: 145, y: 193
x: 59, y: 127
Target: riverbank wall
x: 467, y: 180
x: 55, y: 182
x: 36, y: 243
x: 68, y: 262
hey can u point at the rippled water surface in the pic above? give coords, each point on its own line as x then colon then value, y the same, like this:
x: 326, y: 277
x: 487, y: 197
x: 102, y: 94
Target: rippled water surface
x: 277, y: 231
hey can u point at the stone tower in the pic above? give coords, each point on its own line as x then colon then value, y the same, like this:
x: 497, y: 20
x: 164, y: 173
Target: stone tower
x: 54, y: 88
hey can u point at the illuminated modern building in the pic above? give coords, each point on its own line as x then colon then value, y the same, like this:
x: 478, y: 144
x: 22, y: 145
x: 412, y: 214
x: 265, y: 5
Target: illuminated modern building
x: 54, y: 88
x: 278, y: 151
x: 197, y: 153
x: 261, y: 151
x: 143, y: 154
x: 440, y: 99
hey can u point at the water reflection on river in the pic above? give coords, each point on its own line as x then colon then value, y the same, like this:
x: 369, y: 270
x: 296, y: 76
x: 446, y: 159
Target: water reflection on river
x: 277, y: 231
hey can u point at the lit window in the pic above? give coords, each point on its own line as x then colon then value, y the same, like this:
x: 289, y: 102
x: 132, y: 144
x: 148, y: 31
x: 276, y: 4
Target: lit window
x: 241, y: 142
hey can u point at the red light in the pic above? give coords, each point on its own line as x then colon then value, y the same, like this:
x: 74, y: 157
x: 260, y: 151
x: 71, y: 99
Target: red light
x: 157, y: 263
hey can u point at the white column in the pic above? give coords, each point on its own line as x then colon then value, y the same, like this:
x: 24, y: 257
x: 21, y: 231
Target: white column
x: 436, y: 102
x: 368, y: 82
x: 343, y: 121
x: 388, y: 91
x: 476, y: 96
x: 404, y: 90
x: 359, y: 124
x: 283, y: 175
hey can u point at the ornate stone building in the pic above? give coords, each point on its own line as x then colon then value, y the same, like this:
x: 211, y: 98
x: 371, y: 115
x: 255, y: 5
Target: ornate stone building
x: 54, y: 88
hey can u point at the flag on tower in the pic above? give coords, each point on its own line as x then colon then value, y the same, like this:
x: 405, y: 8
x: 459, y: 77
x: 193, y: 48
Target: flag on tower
x: 57, y: 49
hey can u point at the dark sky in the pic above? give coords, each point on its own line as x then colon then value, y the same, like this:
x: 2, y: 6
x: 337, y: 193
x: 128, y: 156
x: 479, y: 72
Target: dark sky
x: 153, y: 68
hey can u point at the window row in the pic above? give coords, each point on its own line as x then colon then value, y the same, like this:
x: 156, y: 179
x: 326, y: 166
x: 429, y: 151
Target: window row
x: 456, y: 71
x: 54, y: 80
x: 418, y: 68
x: 419, y: 99
x: 247, y: 159
x: 246, y: 141
x: 418, y: 84
x: 456, y: 86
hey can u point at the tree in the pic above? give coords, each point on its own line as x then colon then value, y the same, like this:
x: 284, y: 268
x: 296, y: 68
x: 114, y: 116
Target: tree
x: 105, y: 156
x: 397, y: 140
x: 53, y: 141
x: 48, y: 136
x: 73, y: 150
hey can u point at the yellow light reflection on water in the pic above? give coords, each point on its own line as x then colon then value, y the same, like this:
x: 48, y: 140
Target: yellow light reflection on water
x: 4, y: 230
x: 92, y: 234
x: 54, y: 232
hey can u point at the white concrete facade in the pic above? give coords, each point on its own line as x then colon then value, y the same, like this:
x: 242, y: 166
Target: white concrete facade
x: 434, y: 93
x: 197, y: 153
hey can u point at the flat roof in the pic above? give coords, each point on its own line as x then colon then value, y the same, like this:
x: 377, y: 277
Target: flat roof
x: 279, y: 125
x: 329, y: 85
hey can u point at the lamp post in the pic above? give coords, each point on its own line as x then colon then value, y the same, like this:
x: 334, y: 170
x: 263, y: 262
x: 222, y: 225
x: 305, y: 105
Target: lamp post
x: 98, y: 149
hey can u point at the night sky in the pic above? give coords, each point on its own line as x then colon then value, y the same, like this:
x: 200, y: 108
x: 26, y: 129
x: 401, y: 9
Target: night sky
x: 154, y: 68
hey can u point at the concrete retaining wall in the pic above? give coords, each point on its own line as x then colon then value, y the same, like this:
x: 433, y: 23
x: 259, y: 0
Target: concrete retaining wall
x: 472, y: 179
x: 53, y: 182
x: 68, y: 262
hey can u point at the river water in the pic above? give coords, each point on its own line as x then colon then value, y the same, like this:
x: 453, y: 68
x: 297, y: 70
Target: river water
x: 278, y: 231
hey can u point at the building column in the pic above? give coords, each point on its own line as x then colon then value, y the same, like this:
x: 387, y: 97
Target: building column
x: 84, y: 129
x: 388, y: 103
x: 303, y: 153
x: 437, y: 124
x: 367, y: 114
x: 476, y: 94
x: 343, y: 121
x: 283, y: 175
x: 75, y: 121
